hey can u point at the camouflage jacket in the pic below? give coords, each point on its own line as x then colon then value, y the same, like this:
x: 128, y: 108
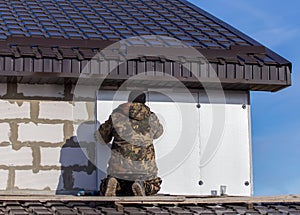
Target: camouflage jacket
x: 132, y: 126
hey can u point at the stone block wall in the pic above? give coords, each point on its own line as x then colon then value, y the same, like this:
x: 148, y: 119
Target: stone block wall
x: 40, y: 150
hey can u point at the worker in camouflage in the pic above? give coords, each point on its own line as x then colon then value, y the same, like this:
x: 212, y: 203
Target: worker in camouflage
x: 132, y: 168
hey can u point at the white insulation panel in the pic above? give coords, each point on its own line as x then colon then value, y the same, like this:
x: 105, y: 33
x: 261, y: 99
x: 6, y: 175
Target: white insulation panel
x: 206, y: 142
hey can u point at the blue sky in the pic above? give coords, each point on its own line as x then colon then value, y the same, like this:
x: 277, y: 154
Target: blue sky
x: 275, y: 116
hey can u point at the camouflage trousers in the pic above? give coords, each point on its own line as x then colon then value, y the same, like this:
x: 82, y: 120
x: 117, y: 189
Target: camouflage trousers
x: 124, y: 187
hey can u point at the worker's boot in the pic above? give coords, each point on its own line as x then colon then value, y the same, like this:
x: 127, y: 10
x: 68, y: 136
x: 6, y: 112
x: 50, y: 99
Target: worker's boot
x: 111, y: 187
x: 138, y: 188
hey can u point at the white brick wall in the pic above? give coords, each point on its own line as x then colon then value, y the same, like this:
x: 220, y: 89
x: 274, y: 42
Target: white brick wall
x: 80, y: 111
x: 10, y: 157
x: 41, y: 132
x: 5, y: 132
x: 63, y: 110
x: 3, y: 88
x: 14, y: 110
x: 50, y: 156
x: 3, y: 179
x: 26, y: 179
x: 38, y: 129
x: 85, y: 181
x: 56, y: 110
x: 63, y: 156
x: 44, y: 90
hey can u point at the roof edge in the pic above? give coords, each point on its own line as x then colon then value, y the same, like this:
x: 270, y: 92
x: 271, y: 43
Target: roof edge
x: 224, y: 24
x: 180, y: 199
x: 238, y: 32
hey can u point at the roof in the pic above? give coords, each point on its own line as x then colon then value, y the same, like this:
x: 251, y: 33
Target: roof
x: 149, y: 205
x: 57, y: 38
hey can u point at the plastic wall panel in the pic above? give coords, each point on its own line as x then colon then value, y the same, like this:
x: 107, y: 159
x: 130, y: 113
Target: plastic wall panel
x: 228, y: 162
x: 209, y: 144
x: 178, y: 149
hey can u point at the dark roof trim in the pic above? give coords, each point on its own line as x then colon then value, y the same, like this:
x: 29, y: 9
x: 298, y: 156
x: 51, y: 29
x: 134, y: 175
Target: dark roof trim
x: 245, y: 67
x: 232, y: 76
x: 50, y: 47
x: 86, y: 49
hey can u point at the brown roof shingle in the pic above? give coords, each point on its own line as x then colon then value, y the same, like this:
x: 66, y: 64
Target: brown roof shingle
x: 66, y: 34
x: 149, y: 205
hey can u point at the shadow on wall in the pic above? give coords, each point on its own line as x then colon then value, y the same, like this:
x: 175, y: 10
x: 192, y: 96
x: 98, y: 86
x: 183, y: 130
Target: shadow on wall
x: 78, y: 159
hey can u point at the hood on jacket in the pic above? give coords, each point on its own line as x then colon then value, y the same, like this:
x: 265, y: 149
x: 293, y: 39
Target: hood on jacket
x: 136, y: 111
